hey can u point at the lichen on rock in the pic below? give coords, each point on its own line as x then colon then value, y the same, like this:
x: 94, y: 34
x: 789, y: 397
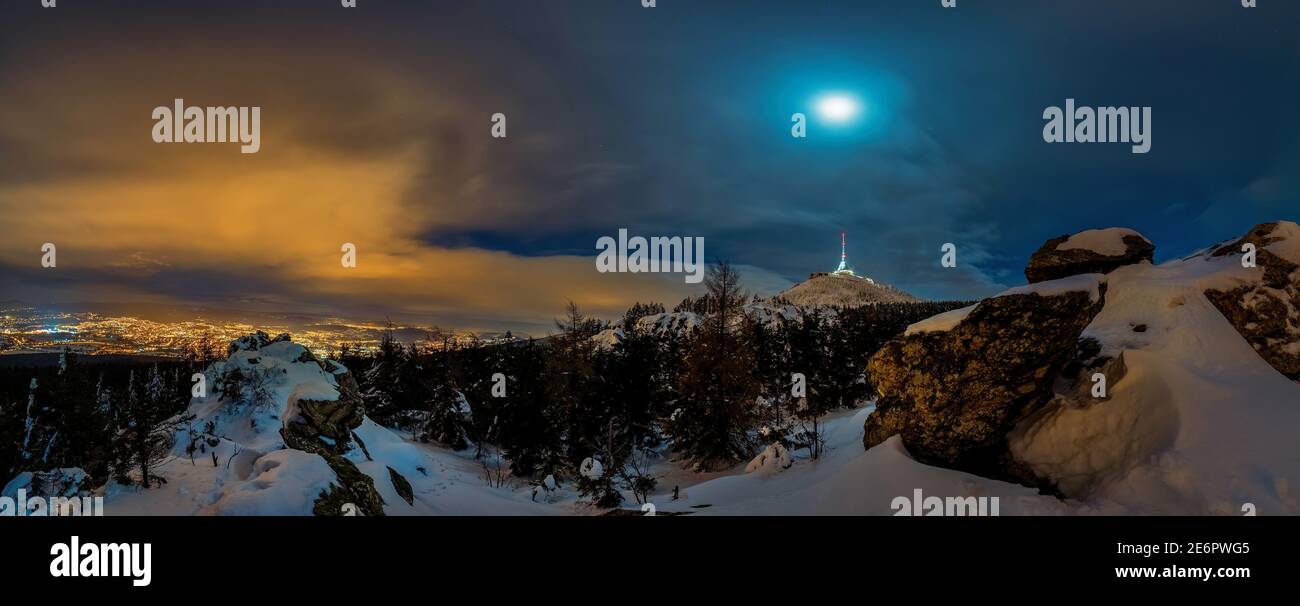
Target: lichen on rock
x: 1266, y: 312
x: 954, y: 395
x: 1097, y: 252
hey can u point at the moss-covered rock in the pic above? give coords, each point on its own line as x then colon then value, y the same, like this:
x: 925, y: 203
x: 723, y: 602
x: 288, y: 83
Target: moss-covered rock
x: 353, y: 487
x: 324, y: 427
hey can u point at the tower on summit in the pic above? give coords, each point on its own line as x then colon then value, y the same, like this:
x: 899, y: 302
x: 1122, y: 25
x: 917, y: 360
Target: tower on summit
x: 844, y: 257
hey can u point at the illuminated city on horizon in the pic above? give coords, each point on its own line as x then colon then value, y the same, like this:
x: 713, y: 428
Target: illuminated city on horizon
x: 29, y: 330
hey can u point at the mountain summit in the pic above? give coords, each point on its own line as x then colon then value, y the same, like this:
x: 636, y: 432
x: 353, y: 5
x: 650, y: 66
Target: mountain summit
x: 823, y: 289
x: 842, y: 287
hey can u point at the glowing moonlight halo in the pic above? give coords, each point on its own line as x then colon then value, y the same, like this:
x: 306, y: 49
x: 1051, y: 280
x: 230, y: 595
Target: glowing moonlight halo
x: 837, y: 107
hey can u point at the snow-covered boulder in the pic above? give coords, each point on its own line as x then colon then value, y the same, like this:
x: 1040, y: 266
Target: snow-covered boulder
x: 255, y: 342
x: 276, y: 434
x: 1198, y: 411
x: 1097, y: 251
x: 605, y: 340
x: 591, y: 469
x: 774, y: 459
x: 942, y: 322
x: 955, y: 388
x: 62, y: 482
x: 1265, y: 308
x: 1200, y: 423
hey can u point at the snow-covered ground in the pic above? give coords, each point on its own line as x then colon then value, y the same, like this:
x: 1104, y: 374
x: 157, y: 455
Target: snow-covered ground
x: 1198, y: 424
x: 846, y: 481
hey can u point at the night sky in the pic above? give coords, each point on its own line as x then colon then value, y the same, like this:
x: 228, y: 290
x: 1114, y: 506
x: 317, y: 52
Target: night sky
x: 666, y: 121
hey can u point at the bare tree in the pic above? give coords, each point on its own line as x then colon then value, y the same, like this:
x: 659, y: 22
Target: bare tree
x: 636, y: 474
x: 495, y: 471
x: 259, y: 388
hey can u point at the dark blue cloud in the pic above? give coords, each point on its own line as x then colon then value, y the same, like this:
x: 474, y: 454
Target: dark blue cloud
x: 693, y: 102
x: 675, y: 121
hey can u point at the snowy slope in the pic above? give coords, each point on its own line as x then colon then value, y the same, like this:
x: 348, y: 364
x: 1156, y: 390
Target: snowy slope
x: 678, y: 323
x: 254, y: 474
x: 846, y: 481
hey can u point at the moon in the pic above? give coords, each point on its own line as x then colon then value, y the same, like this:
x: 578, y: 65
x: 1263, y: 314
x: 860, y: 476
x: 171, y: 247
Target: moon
x: 837, y: 107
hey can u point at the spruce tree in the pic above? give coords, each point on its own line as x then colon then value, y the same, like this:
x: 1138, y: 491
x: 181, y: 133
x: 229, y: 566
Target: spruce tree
x: 76, y: 420
x: 31, y: 436
x: 633, y: 385
x: 381, y: 387
x: 530, y: 428
x: 149, y: 425
x: 602, y: 471
x: 809, y: 353
x: 446, y: 410
x: 569, y: 378
x: 715, y: 416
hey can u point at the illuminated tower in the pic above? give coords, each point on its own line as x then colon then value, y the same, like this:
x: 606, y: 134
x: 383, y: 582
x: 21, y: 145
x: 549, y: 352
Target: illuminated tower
x: 844, y: 257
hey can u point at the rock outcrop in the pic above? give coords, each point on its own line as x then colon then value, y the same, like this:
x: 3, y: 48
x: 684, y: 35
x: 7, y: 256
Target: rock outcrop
x: 1075, y: 385
x: 1267, y: 312
x: 1096, y: 251
x: 953, y: 395
x: 402, y: 486
x: 255, y: 342
x: 325, y: 428
x: 353, y: 488
x: 327, y: 424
